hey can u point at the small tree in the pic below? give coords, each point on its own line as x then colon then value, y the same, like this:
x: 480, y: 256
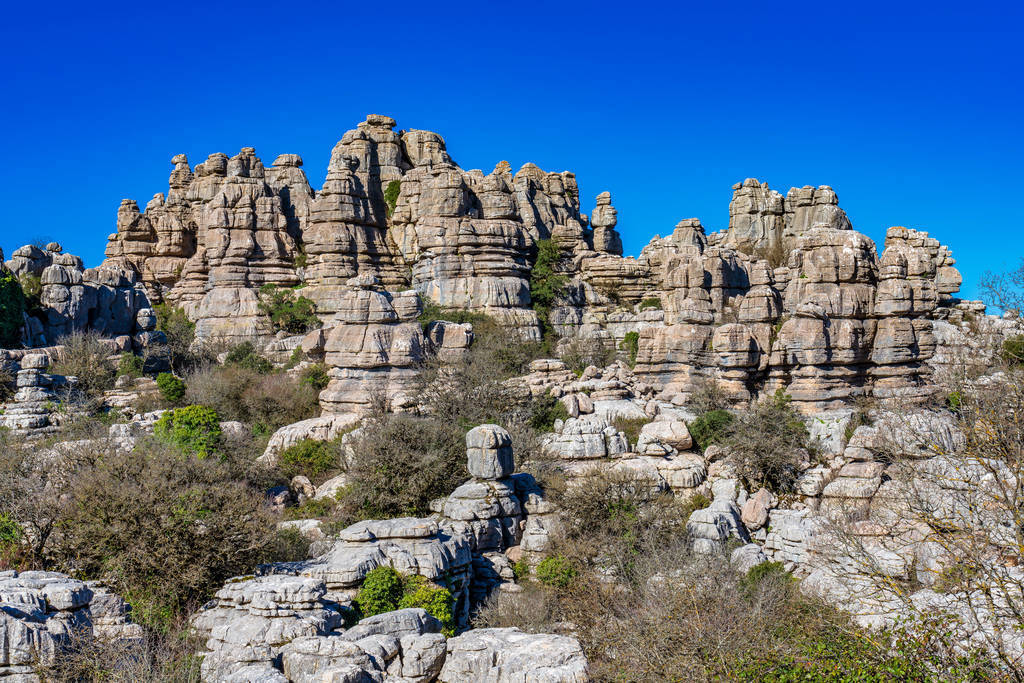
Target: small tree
x: 766, y: 443
x: 547, y: 285
x: 193, y: 429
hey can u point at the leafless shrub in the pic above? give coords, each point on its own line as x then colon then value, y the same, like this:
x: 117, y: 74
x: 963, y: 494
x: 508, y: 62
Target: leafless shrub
x: 86, y: 356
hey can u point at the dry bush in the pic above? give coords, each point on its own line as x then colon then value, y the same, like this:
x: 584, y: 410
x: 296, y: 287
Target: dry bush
x: 766, y: 444
x: 166, y: 657
x: 707, y: 395
x: 578, y: 354
x: 265, y: 401
x: 693, y: 618
x: 86, y: 356
x: 399, y: 463
x: 161, y: 528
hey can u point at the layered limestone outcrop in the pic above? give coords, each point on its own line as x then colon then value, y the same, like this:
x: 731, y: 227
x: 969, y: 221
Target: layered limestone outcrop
x: 788, y: 296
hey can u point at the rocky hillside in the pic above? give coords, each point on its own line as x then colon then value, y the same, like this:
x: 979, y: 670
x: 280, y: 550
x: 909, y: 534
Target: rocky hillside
x: 430, y: 424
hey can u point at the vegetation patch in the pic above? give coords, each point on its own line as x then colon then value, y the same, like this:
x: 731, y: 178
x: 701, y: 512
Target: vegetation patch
x: 193, y: 429
x: 12, y: 308
x: 288, y: 312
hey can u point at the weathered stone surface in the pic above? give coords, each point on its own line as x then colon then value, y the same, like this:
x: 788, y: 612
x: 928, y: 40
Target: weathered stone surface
x: 489, y: 450
x: 505, y: 655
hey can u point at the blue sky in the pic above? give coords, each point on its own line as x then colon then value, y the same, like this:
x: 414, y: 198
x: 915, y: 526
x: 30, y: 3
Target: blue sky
x: 910, y: 112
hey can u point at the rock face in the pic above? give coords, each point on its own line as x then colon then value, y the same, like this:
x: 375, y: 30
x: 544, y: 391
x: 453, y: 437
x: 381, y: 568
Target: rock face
x: 42, y: 613
x: 788, y: 296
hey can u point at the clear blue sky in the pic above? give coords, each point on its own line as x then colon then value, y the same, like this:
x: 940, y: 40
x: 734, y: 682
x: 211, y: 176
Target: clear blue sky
x: 913, y: 114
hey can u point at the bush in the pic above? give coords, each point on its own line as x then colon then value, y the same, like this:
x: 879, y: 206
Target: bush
x: 400, y: 463
x: 171, y: 388
x: 129, y: 365
x: 315, y: 376
x: 193, y: 429
x: 1013, y: 350
x: 265, y: 401
x: 309, y: 458
x: 180, y: 333
x: 544, y: 411
x: 437, y: 601
x: 162, y: 529
x: 32, y: 287
x: 631, y: 345
x: 556, y: 571
x: 546, y: 284
x: 287, y: 312
x: 711, y: 428
x: 391, y: 193
x: 580, y: 353
x: 765, y: 443
x: 630, y: 426
x: 385, y: 590
x: 244, y: 355
x: 85, y: 356
x: 381, y: 591
x: 12, y: 309
x: 650, y: 302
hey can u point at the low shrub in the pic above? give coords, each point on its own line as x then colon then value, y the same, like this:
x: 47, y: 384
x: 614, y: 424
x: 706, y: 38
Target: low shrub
x: 710, y: 428
x: 381, y: 591
x: 244, y: 355
x: 544, y: 411
x: 85, y: 356
x: 129, y: 365
x: 171, y: 388
x: 264, y: 401
x: 630, y: 426
x: 1012, y: 350
x: 315, y: 376
x: 193, y: 429
x: 180, y: 333
x: 437, y: 601
x: 309, y: 458
x: 391, y: 193
x: 556, y: 571
x: 631, y: 345
x: 766, y: 442
x: 650, y: 302
x: 578, y: 354
x: 12, y: 308
x: 385, y: 590
x: 399, y: 463
x: 288, y: 312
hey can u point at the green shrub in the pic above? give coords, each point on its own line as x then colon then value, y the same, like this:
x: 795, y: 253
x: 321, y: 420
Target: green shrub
x: 697, y: 501
x: 10, y: 531
x: 244, y: 355
x: 546, y: 284
x: 287, y: 312
x: 171, y: 388
x: 544, y: 410
x: 309, y: 458
x: 301, y: 258
x: 315, y: 376
x: 631, y: 345
x: 391, y: 193
x: 432, y: 312
x: 129, y: 365
x: 650, y: 302
x: 381, y: 591
x: 194, y: 429
x: 953, y: 401
x: 556, y: 571
x: 12, y: 309
x: 766, y: 571
x: 437, y: 601
x: 1013, y: 350
x: 521, y: 570
x: 710, y: 428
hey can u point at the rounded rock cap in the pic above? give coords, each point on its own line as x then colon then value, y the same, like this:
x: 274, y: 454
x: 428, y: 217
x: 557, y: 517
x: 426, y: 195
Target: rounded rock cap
x: 489, y: 452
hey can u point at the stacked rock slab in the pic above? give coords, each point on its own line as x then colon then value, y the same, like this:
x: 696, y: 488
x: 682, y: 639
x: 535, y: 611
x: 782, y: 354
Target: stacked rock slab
x: 486, y: 509
x: 42, y: 613
x: 29, y: 411
x: 372, y: 346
